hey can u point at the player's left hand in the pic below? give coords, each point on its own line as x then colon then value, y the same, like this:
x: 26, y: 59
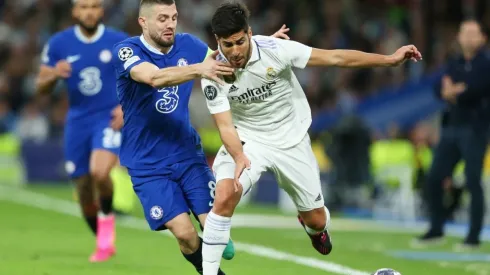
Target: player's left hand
x: 405, y: 53
x: 281, y: 33
x: 117, y: 121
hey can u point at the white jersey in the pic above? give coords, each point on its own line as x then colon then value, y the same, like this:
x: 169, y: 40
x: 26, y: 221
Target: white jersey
x: 266, y: 100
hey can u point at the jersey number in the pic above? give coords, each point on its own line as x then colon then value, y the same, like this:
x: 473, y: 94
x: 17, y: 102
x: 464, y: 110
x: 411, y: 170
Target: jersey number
x: 111, y: 139
x: 91, y: 84
x: 212, y: 192
x: 170, y: 100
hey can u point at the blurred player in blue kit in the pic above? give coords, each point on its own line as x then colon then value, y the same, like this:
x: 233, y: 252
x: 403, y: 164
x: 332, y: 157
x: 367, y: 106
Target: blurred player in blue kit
x: 160, y: 148
x: 81, y: 56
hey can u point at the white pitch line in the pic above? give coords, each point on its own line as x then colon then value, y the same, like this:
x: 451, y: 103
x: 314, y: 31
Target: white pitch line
x: 69, y: 208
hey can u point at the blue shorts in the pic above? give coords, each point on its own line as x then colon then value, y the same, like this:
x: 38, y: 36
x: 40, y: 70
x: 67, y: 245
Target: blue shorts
x: 83, y: 137
x: 183, y: 186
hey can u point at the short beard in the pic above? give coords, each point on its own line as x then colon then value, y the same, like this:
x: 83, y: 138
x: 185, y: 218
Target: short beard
x: 87, y: 29
x: 158, y: 40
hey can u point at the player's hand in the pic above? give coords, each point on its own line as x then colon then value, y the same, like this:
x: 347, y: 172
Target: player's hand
x: 405, y: 53
x: 281, y: 33
x: 117, y: 121
x: 63, y: 69
x: 242, y: 163
x: 211, y: 68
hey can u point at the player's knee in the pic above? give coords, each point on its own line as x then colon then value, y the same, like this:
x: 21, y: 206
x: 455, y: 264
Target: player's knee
x: 186, y: 237
x: 100, y: 175
x: 226, y: 198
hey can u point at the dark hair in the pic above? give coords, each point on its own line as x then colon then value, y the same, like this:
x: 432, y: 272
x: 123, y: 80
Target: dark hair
x: 162, y: 2
x: 230, y: 18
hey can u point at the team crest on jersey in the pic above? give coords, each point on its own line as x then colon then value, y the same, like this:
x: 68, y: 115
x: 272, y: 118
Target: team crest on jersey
x: 105, y: 56
x: 170, y: 100
x: 125, y: 53
x: 271, y: 73
x: 210, y: 92
x: 182, y: 62
x: 156, y: 212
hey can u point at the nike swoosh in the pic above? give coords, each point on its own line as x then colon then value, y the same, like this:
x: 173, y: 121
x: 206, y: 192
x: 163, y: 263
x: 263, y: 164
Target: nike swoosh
x: 72, y: 58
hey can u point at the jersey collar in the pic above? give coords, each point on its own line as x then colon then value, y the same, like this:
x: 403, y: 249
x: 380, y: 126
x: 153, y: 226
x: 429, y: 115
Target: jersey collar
x: 255, y: 52
x: 151, y: 48
x: 98, y: 34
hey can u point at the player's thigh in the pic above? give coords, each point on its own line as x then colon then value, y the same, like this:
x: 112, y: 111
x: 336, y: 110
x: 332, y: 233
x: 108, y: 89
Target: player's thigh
x: 224, y: 166
x: 77, y: 147
x: 297, y: 172
x: 197, y: 183
x: 105, y: 148
x: 101, y: 163
x: 162, y: 200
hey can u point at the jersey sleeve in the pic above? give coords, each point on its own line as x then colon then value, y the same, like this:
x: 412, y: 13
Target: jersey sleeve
x: 126, y: 57
x: 50, y: 54
x: 199, y: 47
x: 294, y: 53
x: 216, y: 98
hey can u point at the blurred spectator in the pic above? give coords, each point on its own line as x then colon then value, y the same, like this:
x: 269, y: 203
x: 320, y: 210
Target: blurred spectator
x: 368, y: 25
x: 32, y: 124
x: 7, y: 118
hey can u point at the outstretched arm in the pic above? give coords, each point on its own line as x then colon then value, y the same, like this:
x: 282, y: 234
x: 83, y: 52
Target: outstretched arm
x: 358, y: 59
x: 150, y: 74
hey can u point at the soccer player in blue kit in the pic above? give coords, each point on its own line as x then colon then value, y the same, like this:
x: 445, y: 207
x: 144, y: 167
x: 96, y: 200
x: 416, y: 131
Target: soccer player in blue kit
x: 160, y: 148
x: 81, y: 56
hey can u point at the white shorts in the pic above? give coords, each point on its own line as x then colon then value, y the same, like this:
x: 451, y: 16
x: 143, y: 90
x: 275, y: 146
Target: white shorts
x: 295, y: 169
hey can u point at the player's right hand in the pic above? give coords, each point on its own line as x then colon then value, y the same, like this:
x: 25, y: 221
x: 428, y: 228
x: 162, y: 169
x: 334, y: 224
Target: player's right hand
x: 405, y: 53
x: 63, y: 69
x: 241, y: 163
x: 211, y: 68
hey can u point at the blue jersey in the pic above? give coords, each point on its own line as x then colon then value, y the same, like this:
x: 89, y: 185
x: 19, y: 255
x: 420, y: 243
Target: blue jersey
x: 157, y: 131
x: 92, y: 84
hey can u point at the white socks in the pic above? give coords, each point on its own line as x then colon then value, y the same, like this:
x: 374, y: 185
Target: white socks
x: 215, y: 238
x: 327, y: 223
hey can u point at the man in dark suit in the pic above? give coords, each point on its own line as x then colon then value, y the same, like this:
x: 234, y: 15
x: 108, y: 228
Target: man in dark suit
x: 465, y: 124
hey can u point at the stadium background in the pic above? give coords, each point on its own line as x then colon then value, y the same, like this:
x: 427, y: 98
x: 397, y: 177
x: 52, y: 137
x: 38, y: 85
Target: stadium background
x: 389, y: 117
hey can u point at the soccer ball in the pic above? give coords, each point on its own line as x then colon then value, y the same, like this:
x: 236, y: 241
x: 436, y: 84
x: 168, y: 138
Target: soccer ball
x: 386, y: 271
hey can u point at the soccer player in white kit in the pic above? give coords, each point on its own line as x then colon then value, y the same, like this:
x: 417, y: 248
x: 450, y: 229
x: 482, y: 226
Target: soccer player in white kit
x: 263, y: 117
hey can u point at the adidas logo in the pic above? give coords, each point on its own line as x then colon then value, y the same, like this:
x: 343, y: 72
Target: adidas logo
x: 319, y: 198
x: 233, y: 89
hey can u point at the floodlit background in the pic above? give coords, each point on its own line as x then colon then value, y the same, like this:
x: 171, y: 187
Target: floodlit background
x: 373, y: 133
